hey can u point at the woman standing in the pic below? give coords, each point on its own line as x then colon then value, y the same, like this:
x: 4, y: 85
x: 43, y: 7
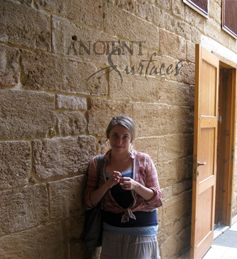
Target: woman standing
x: 130, y: 193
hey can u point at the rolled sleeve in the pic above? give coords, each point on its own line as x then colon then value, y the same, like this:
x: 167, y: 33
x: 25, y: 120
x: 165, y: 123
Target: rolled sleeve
x: 91, y: 182
x: 156, y: 199
x: 153, y: 183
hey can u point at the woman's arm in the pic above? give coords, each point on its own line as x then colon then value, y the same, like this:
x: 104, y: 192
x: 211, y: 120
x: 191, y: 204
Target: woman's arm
x: 147, y: 186
x: 93, y: 194
x: 129, y: 184
x: 98, y: 194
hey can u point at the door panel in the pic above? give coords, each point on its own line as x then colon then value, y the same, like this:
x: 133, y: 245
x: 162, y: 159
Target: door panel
x: 205, y: 151
x: 206, y: 154
x: 207, y: 94
x: 206, y: 221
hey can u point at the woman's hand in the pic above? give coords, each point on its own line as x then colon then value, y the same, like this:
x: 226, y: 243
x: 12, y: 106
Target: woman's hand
x: 128, y: 183
x: 97, y: 195
x: 114, y: 179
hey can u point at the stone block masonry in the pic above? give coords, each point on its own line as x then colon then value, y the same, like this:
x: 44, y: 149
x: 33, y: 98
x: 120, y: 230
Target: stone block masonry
x: 18, y: 29
x: 25, y: 115
x: 67, y: 67
x: 23, y: 208
x: 62, y: 156
x: 9, y: 69
x: 15, y: 160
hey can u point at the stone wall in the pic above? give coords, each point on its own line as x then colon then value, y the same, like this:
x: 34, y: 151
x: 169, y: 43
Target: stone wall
x: 66, y: 68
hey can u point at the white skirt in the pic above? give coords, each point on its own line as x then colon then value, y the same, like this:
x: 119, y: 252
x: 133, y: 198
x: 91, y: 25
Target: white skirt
x: 120, y: 246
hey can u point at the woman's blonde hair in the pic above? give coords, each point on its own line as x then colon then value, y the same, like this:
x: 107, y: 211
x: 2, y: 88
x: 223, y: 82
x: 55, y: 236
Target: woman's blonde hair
x: 122, y: 120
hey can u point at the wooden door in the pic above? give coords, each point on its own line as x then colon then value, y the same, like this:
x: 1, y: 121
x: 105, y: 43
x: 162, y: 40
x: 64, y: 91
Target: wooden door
x: 205, y: 151
x: 226, y: 142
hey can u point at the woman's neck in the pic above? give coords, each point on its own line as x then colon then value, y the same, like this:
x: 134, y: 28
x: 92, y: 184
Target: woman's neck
x: 118, y: 157
x: 119, y: 162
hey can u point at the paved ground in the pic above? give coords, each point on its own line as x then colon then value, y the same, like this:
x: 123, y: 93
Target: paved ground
x: 224, y: 246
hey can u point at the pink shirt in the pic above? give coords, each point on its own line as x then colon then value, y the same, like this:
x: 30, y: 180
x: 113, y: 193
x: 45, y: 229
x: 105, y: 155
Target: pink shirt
x: 144, y: 172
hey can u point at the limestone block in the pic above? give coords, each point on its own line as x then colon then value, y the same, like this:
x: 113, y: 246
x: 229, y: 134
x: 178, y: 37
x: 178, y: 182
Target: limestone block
x: 161, y: 235
x: 81, y: 42
x: 166, y: 194
x: 178, y: 9
x: 167, y: 173
x: 149, y: 146
x: 168, y: 247
x: 164, y: 119
x: 25, y: 114
x: 150, y: 65
x: 125, y: 25
x: 66, y: 197
x: 73, y: 228
x: 183, y: 238
x: 78, y: 41
x: 175, y: 93
x: 232, y: 43
x: 166, y: 5
x: 172, y: 45
x: 181, y: 224
x: 71, y: 123
x: 150, y: 89
x: 128, y: 5
x: 133, y: 87
x: 184, y: 29
x: 18, y: 29
x: 23, y: 208
x: 26, y: 2
x: 15, y: 164
x: 44, y: 241
x: 175, y: 146
x: 215, y: 11
x: 101, y: 112
x: 46, y: 72
x: 176, y: 207
x: 164, y: 20
x: 189, y: 73
x: 190, y: 51
x: 103, y: 146
x: 182, y: 186
x: 171, y: 23
x: 176, y: 242
x: 68, y: 102
x: 184, y: 168
x: 62, y: 156
x: 194, y: 18
x: 9, y: 69
x: 88, y: 12
x: 79, y: 251
x: 144, y: 10
x: 213, y: 30
x: 160, y: 17
x: 196, y: 36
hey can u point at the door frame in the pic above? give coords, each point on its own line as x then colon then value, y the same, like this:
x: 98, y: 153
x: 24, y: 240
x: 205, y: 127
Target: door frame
x: 225, y: 181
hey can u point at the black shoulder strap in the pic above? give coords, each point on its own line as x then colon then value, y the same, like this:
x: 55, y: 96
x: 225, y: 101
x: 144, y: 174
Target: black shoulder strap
x: 100, y: 164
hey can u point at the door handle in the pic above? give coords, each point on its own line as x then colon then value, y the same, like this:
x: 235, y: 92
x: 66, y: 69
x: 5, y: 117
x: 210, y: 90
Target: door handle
x: 199, y: 164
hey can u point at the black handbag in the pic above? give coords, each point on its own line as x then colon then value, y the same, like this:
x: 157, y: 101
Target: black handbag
x: 93, y: 217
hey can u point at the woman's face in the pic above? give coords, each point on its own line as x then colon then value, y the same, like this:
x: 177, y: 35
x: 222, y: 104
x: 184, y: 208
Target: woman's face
x: 119, y: 139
